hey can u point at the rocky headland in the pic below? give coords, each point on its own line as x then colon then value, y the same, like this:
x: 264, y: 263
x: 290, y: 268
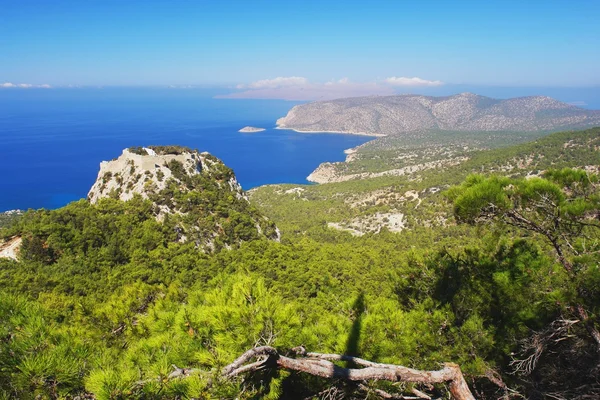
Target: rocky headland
x: 188, y: 186
x: 413, y: 116
x: 465, y: 112
x: 193, y: 194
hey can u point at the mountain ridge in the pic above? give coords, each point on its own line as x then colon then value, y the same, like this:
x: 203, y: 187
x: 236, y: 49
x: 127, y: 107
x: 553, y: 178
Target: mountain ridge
x: 468, y: 112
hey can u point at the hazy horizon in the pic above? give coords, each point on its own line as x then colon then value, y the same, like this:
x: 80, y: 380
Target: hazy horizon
x: 585, y: 97
x: 302, y: 50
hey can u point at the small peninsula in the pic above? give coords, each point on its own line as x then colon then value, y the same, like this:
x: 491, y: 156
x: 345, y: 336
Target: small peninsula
x: 251, y: 129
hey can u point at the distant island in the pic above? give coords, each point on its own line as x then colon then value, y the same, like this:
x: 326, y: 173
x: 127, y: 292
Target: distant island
x: 465, y: 112
x: 251, y: 129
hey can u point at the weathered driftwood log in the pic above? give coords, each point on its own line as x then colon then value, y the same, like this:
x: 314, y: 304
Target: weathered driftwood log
x: 322, y: 365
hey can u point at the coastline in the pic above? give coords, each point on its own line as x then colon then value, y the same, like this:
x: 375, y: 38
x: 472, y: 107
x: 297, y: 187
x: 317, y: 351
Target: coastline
x: 336, y: 132
x: 316, y: 176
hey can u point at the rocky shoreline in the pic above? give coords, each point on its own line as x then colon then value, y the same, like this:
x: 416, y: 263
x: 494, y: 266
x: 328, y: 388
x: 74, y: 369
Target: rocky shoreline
x: 326, y: 172
x: 13, y: 212
x: 338, y: 132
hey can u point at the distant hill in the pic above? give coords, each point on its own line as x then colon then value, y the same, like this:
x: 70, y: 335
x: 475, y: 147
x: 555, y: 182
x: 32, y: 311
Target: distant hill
x: 397, y: 115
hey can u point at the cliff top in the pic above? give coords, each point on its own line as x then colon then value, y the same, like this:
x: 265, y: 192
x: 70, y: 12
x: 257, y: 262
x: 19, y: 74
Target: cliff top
x: 196, y: 190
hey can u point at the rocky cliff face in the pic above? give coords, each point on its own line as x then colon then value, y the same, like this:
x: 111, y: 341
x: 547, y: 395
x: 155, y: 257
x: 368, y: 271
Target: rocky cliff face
x: 143, y: 171
x: 466, y: 112
x: 194, y: 191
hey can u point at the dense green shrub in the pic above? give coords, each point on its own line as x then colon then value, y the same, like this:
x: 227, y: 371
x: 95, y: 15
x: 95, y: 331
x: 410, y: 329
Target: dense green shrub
x: 105, y: 300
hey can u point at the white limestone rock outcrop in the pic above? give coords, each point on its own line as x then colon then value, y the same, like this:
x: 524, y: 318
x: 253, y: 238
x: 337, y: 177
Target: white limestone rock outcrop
x: 194, y: 189
x: 142, y: 171
x: 10, y: 248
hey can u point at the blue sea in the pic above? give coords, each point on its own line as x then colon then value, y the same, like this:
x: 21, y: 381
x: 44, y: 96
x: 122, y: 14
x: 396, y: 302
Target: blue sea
x: 52, y: 141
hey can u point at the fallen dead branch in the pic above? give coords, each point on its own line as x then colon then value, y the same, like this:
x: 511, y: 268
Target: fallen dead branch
x: 322, y: 365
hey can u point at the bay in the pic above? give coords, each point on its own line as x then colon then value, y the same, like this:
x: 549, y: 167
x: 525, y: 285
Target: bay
x: 52, y: 141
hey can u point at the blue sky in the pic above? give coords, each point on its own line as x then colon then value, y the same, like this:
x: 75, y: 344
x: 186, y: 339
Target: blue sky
x: 127, y: 42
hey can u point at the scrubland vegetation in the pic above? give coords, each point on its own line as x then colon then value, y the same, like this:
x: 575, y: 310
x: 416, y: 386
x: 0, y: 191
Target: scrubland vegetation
x: 495, y: 270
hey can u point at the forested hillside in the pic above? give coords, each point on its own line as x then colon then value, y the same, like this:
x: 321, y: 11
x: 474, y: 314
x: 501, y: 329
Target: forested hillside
x: 490, y: 263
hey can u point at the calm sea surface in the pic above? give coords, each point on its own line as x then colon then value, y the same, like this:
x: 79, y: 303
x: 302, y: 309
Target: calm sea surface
x: 52, y: 141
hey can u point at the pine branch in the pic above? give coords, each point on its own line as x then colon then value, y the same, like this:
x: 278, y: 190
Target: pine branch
x: 321, y: 365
